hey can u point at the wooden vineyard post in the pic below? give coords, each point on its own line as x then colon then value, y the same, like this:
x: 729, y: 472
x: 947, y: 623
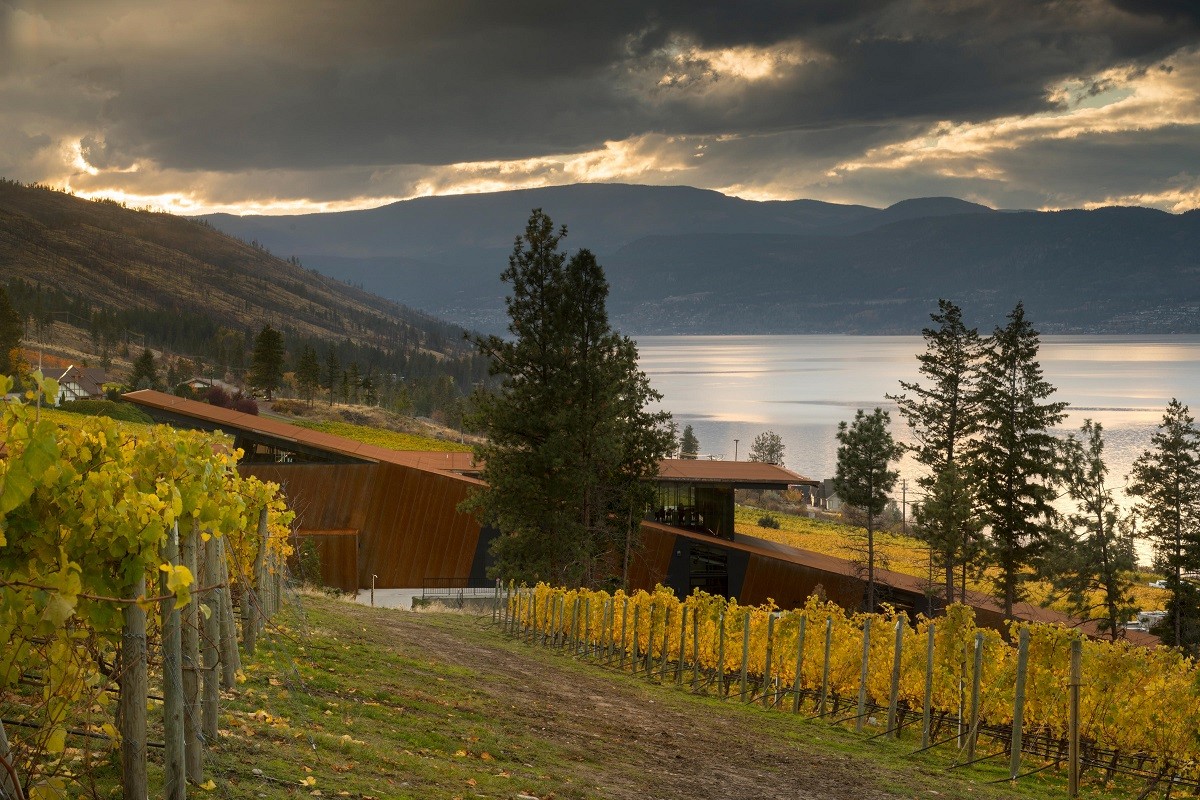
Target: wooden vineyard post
x: 516, y: 631
x: 973, y: 730
x: 8, y: 777
x: 212, y: 635
x: 624, y: 638
x: 695, y: 649
x: 893, y: 698
x: 766, y: 684
x: 1073, y: 722
x: 537, y: 634
x: 825, y: 669
x: 682, y: 640
x: 193, y: 755
x: 927, y: 708
x: 575, y: 626
x: 1014, y: 762
x: 230, y: 657
x: 605, y: 629
x: 133, y: 683
x: 721, y: 653
x: 251, y: 596
x: 648, y: 666
x: 662, y: 667
x: 798, y: 682
x: 745, y: 655
x: 587, y: 627
x: 862, y: 681
x: 633, y: 663
x: 174, y: 783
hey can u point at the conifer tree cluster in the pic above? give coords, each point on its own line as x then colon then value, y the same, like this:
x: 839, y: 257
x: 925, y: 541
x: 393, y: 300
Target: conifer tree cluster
x: 570, y: 440
x: 982, y: 418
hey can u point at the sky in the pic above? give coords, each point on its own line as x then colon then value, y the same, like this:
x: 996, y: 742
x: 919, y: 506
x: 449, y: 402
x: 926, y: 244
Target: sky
x: 294, y: 106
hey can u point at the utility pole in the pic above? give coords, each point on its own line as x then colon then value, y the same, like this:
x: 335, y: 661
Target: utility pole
x: 735, y: 444
x: 904, y: 506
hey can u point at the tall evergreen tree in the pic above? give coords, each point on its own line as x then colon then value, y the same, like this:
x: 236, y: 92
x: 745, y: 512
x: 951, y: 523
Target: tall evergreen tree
x: 11, y: 331
x: 1090, y: 560
x: 353, y: 383
x: 145, y: 371
x: 1166, y: 481
x: 689, y: 445
x: 864, y: 475
x: 569, y: 440
x: 332, y: 377
x: 308, y: 373
x: 266, y: 362
x: 370, y: 394
x: 1015, y: 457
x: 942, y: 414
x: 767, y: 448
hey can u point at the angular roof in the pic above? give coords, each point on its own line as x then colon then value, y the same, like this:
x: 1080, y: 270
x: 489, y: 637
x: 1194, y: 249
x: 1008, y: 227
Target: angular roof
x: 90, y: 380
x: 739, y: 473
x: 746, y: 474
x: 233, y: 421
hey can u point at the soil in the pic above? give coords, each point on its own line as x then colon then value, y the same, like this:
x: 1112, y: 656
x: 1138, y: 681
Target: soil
x: 648, y: 742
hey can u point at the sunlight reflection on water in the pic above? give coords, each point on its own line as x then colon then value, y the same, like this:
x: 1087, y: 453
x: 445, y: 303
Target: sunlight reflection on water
x: 730, y: 387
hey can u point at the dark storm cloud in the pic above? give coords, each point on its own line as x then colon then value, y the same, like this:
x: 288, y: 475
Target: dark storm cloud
x: 309, y: 86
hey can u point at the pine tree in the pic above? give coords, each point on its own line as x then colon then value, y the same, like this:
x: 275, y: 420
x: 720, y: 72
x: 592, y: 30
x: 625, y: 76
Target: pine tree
x: 353, y: 383
x: 767, y: 448
x: 11, y: 331
x: 942, y: 415
x: 864, y: 477
x: 1015, y: 457
x: 689, y: 445
x: 308, y: 373
x: 569, y: 439
x: 1166, y: 481
x: 266, y: 370
x: 1090, y: 559
x: 145, y: 371
x: 369, y: 393
x: 333, y: 374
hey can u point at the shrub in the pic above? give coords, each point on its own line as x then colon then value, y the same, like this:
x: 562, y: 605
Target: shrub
x: 768, y: 521
x: 246, y: 405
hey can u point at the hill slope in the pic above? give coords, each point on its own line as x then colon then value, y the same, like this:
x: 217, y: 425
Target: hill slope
x: 111, y: 273
x: 684, y: 260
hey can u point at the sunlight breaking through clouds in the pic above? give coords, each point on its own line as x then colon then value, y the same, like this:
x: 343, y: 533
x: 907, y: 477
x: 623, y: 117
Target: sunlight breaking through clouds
x: 1126, y: 102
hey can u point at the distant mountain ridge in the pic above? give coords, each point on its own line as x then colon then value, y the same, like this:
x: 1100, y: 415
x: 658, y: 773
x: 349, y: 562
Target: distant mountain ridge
x: 685, y: 260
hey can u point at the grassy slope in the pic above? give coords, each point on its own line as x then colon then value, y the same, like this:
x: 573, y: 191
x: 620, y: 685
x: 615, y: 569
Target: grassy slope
x: 375, y: 703
x: 901, y: 554
x: 396, y: 440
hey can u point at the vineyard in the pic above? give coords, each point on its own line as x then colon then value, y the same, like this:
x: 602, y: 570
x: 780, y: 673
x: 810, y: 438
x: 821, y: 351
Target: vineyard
x: 123, y: 549
x: 1053, y: 698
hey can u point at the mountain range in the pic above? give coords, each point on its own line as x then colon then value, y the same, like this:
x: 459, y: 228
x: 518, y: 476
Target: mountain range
x: 684, y: 260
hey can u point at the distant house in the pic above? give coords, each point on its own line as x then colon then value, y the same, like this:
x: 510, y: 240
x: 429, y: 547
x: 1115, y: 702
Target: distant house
x: 81, y: 383
x: 830, y: 500
x: 200, y: 384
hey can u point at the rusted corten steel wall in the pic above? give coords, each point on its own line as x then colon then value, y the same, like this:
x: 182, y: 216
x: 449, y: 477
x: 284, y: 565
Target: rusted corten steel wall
x: 790, y: 585
x: 414, y: 530
x: 409, y: 529
x: 650, y: 563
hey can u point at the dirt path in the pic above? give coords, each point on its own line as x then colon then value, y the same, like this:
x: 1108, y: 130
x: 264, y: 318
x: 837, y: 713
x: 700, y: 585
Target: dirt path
x: 631, y: 740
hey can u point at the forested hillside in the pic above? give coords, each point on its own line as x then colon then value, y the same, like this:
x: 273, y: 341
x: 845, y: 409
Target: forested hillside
x: 96, y: 279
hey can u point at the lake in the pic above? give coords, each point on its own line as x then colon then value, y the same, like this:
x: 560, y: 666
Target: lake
x: 731, y: 388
